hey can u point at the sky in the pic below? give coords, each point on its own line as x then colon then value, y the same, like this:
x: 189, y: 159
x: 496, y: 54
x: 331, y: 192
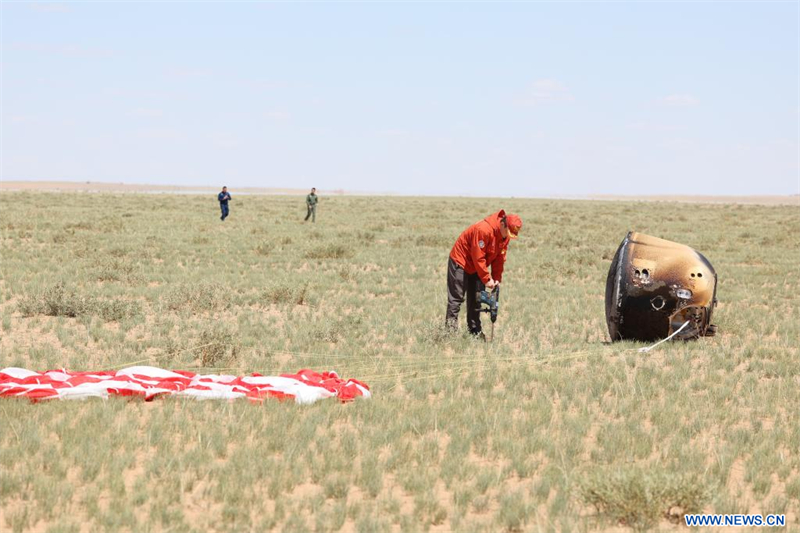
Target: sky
x: 438, y: 98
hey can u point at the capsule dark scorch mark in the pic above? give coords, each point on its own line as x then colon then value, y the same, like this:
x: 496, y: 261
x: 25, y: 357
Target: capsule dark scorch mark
x: 655, y: 286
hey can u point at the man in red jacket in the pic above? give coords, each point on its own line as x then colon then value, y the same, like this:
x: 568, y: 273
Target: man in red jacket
x: 480, y: 246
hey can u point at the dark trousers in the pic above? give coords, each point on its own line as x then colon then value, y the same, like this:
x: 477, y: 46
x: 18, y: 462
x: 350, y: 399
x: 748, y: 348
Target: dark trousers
x: 460, y: 284
x: 224, y: 208
x: 312, y: 212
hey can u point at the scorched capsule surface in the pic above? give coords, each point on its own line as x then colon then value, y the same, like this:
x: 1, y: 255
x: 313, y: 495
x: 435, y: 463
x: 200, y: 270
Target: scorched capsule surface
x: 654, y: 286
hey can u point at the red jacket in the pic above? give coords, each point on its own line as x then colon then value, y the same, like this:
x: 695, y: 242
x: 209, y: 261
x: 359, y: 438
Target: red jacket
x: 481, y: 246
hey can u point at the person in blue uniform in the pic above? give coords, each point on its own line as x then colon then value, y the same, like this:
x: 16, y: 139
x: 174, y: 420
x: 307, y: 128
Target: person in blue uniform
x: 223, y: 198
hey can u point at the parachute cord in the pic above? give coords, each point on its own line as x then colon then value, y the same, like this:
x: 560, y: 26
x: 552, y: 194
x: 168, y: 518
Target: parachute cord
x: 153, y: 358
x: 648, y: 348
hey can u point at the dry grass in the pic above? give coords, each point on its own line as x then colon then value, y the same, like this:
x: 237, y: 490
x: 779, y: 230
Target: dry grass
x: 548, y: 428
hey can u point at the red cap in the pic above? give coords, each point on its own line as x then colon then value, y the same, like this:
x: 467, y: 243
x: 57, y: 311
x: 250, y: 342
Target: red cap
x: 514, y: 224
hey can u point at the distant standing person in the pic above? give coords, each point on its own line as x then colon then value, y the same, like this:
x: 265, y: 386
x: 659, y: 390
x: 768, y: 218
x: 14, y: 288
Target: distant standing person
x: 311, y: 204
x: 223, y: 198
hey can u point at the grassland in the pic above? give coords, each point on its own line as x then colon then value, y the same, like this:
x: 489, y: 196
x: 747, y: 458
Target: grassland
x: 548, y: 428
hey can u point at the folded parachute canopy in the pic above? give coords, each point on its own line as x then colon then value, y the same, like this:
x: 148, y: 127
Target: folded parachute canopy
x: 656, y: 288
x: 304, y: 387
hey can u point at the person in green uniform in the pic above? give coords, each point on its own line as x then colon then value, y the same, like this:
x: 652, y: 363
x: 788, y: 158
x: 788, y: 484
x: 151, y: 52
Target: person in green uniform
x: 311, y: 204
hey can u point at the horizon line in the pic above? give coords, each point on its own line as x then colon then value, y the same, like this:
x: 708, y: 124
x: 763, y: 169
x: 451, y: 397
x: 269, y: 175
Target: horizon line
x: 100, y: 187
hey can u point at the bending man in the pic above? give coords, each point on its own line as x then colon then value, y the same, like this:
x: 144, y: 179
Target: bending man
x: 480, y: 247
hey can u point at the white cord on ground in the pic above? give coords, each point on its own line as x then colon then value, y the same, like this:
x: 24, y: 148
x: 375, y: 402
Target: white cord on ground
x: 648, y: 348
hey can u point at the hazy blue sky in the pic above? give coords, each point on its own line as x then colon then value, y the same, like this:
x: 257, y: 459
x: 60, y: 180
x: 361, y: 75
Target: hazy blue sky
x: 516, y: 99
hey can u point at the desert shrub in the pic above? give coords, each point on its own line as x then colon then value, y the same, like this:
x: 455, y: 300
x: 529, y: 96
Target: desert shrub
x: 172, y: 347
x: 60, y: 300
x: 336, y: 486
x: 404, y: 241
x: 60, y: 238
x: 347, y: 273
x: 278, y: 294
x: 329, y: 329
x: 366, y: 237
x: 436, y: 333
x: 56, y: 300
x: 78, y: 226
x: 115, y: 310
x: 330, y: 251
x: 638, y: 498
x: 428, y: 510
x: 514, y: 511
x: 117, y: 269
x: 286, y: 294
x: 216, y: 344
x: 119, y: 251
x: 29, y: 306
x: 198, y: 297
x: 328, y: 332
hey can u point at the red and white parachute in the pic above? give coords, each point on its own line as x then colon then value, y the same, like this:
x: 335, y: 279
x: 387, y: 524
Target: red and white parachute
x: 305, y: 387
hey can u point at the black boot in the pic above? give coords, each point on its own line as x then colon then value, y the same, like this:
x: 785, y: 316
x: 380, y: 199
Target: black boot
x: 478, y: 335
